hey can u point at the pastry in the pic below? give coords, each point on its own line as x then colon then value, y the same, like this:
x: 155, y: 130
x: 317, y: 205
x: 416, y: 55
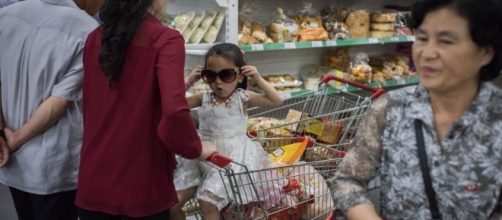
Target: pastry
x: 383, y: 17
x: 359, y: 24
x: 382, y: 26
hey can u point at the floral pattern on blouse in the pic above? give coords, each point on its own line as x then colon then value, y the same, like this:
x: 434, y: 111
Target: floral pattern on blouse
x: 469, y: 155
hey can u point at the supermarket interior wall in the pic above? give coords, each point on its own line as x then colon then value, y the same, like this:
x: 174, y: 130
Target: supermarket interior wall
x: 264, y: 11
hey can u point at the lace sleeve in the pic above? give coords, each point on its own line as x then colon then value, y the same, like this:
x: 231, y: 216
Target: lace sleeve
x: 359, y: 165
x: 242, y: 94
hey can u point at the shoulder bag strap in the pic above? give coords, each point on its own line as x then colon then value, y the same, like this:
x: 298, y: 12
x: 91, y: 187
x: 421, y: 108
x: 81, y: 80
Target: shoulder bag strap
x: 422, y: 156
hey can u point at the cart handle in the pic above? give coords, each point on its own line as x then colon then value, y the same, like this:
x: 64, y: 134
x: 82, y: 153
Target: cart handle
x: 377, y: 92
x: 219, y: 160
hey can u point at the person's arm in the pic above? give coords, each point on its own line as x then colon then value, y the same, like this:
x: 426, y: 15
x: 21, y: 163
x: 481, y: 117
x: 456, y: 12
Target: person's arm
x: 194, y: 76
x: 176, y: 128
x: 270, y: 96
x: 66, y: 91
x: 46, y: 115
x: 359, y: 165
x: 195, y: 100
x: 4, y: 148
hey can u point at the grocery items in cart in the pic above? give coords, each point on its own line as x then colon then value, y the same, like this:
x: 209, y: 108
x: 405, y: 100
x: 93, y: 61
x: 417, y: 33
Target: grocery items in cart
x: 297, y: 191
x: 330, y: 119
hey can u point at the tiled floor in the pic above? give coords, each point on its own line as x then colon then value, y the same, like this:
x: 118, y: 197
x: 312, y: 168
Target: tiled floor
x: 7, y: 211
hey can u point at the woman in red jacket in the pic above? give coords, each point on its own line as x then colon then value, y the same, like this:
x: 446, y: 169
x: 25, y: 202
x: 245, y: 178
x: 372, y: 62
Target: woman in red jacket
x: 136, y: 116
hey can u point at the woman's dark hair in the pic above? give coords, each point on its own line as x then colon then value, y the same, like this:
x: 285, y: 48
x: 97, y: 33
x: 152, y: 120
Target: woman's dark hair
x: 120, y: 19
x: 232, y: 53
x: 485, y: 25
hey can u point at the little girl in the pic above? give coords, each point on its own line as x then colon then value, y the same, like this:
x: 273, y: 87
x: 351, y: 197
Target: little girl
x: 223, y: 121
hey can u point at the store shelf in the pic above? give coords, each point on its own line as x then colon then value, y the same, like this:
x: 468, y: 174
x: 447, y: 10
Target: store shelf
x: 410, y: 80
x: 329, y: 43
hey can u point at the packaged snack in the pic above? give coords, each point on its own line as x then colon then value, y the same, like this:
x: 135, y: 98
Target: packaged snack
x: 360, y: 69
x: 358, y: 23
x: 295, y: 116
x: 215, y: 28
x: 200, y: 32
x: 310, y: 22
x: 334, y: 23
x: 182, y: 20
x: 312, y: 74
x: 383, y: 17
x: 283, y: 29
x: 378, y: 34
x: 338, y: 59
x: 199, y: 16
x: 402, y: 23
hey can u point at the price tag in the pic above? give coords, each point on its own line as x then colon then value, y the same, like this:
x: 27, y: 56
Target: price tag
x: 331, y: 43
x: 410, y: 38
x: 317, y: 44
x: 401, y: 82
x: 394, y: 39
x: 372, y: 40
x: 290, y: 45
x: 257, y: 47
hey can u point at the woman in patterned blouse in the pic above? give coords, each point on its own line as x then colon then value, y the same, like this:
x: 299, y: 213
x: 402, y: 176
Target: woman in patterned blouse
x: 458, y: 49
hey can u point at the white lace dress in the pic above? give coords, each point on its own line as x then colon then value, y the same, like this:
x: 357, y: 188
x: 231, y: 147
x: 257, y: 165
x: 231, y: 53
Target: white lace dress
x: 225, y: 125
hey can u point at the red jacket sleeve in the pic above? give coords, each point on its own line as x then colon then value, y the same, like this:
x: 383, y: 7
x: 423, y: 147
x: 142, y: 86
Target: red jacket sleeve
x: 176, y: 129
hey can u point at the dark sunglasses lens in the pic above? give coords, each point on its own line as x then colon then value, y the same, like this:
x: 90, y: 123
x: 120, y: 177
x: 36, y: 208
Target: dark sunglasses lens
x: 228, y: 75
x: 208, y: 76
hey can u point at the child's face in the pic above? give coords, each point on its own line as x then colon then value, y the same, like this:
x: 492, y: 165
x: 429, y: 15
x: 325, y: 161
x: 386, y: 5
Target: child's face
x: 222, y: 89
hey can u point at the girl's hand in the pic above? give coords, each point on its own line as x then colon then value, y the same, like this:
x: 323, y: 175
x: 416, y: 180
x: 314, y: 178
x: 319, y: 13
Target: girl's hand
x: 195, y: 75
x: 252, y: 72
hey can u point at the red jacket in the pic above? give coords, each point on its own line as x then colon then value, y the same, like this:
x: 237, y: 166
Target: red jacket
x: 131, y: 132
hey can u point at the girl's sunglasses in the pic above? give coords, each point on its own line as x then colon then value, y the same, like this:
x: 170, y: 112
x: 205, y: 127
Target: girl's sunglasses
x: 226, y: 75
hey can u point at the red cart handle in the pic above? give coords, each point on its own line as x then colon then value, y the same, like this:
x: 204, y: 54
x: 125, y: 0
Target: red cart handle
x: 219, y: 160
x: 377, y: 92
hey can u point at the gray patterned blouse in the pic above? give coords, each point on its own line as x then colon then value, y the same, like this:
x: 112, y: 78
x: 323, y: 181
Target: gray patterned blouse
x: 466, y: 167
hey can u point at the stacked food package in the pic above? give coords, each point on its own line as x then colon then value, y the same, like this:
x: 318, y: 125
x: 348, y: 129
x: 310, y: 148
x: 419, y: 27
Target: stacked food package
x: 199, y: 27
x: 383, y: 24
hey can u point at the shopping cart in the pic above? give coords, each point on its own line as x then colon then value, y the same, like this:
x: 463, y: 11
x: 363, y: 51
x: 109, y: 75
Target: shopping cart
x: 294, y: 192
x: 335, y: 115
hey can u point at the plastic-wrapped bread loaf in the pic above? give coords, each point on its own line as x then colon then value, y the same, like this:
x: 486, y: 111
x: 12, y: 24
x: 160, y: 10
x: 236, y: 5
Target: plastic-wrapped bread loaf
x: 215, y: 28
x: 359, y: 24
x: 183, y: 20
x: 200, y: 32
x: 383, y: 26
x: 187, y: 34
x: 383, y: 17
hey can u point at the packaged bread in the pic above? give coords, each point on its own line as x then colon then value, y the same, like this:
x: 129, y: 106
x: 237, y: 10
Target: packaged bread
x: 283, y: 29
x: 294, y: 117
x: 359, y: 24
x: 334, y: 23
x: 332, y: 132
x: 200, y: 32
x: 214, y: 29
x: 182, y: 20
x: 378, y: 34
x: 360, y: 68
x: 383, y: 26
x: 383, y: 17
x: 310, y: 23
x: 338, y: 59
x: 252, y: 33
x: 199, y: 16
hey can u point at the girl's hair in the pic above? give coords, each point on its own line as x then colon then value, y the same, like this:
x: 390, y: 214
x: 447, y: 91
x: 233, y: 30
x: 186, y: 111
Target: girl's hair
x: 120, y: 20
x: 485, y: 25
x: 232, y: 53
